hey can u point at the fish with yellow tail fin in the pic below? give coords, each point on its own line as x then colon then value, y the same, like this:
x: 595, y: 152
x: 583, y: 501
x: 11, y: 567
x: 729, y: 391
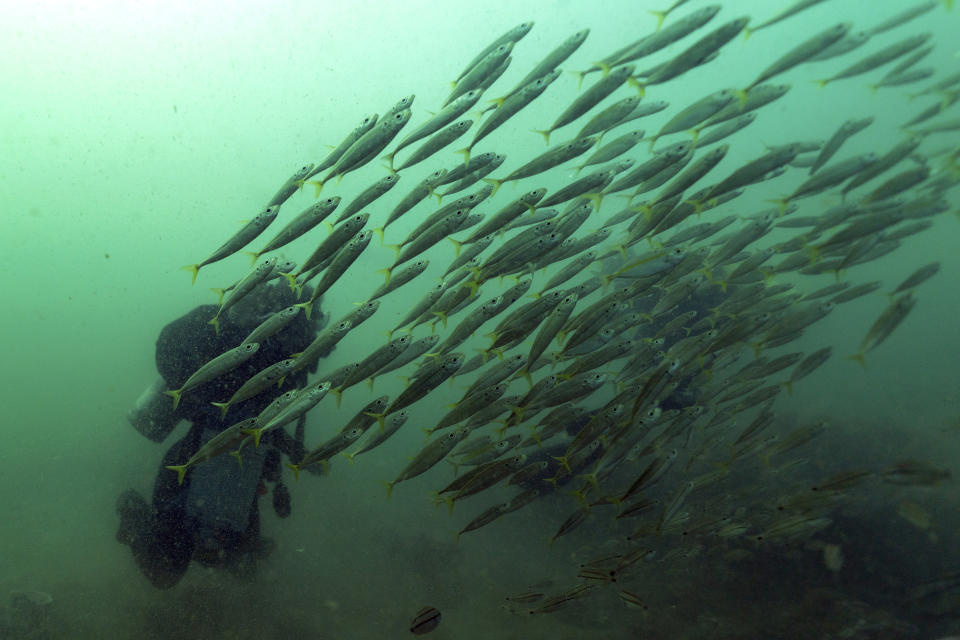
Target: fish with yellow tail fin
x: 889, y: 320
x: 430, y: 455
x: 366, y: 148
x: 390, y: 426
x: 509, y: 107
x: 225, y: 362
x: 436, y: 375
x: 485, y: 518
x: 662, y: 15
x: 799, y: 54
x: 423, y: 189
x: 336, y: 152
x: 263, y: 270
x: 322, y: 344
x: 695, y: 114
x: 469, y: 405
x: 793, y: 9
x: 513, y: 35
x: 700, y: 52
x: 369, y: 366
x: 478, y: 76
x: 589, y: 99
x: 305, y: 400
x: 545, y: 161
x: 223, y: 442
x: 879, y: 58
x: 327, y: 450
x: 263, y: 380
x: 304, y: 222
x: 327, y: 249
x: 239, y: 240
x: 338, y: 266
x: 441, y: 119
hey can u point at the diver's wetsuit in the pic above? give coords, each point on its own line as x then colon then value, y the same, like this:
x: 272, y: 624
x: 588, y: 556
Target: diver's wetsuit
x: 201, y: 518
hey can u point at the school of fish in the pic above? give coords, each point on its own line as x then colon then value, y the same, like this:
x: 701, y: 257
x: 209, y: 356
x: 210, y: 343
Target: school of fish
x: 648, y: 276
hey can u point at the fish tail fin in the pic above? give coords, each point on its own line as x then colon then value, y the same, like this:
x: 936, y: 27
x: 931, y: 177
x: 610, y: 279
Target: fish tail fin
x: 296, y: 470
x: 747, y: 32
x: 788, y: 385
x: 859, y: 357
x: 307, y: 308
x: 660, y: 16
x: 175, y: 394
x: 639, y: 86
x: 379, y: 232
x: 389, y: 486
x: 465, y: 152
x: 317, y: 187
x: 389, y: 158
x: 496, y: 185
x: 458, y: 246
x: 396, y: 251
x: 545, y: 133
x: 822, y: 83
x: 220, y: 293
x: 782, y: 204
x: 948, y: 4
x: 579, y: 75
x: 253, y: 256
x: 442, y: 315
x: 181, y: 470
x: 591, y: 478
x: 386, y: 275
x: 525, y: 372
x: 563, y: 461
x: 379, y: 417
x: 215, y: 321
x: 338, y: 394
x: 292, y: 279
x: 474, y: 286
x: 496, y: 102
x: 741, y: 95
x: 596, y: 198
x: 256, y: 433
x: 194, y: 269
x: 553, y: 481
x: 223, y: 408
x: 349, y: 456
x: 236, y: 454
